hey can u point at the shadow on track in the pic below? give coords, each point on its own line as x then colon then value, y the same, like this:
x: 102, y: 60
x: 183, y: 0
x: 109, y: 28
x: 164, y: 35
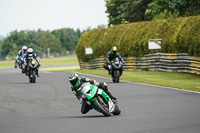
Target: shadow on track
x: 91, y: 116
x: 110, y: 82
x: 26, y: 83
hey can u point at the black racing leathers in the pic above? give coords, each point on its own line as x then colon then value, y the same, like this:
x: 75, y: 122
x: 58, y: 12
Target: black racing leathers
x: 85, y: 107
x: 111, y: 56
x: 28, y: 58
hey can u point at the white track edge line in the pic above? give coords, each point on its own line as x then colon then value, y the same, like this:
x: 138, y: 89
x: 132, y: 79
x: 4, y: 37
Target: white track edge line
x: 144, y: 84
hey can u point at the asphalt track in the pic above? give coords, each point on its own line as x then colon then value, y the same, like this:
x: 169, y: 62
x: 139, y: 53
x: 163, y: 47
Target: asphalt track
x: 49, y: 106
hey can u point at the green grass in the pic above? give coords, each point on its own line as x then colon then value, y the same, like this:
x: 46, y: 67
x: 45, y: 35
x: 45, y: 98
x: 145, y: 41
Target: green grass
x: 7, y: 64
x: 66, y: 60
x: 175, y: 80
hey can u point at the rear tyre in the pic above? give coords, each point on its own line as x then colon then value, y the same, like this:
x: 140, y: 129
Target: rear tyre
x: 100, y: 107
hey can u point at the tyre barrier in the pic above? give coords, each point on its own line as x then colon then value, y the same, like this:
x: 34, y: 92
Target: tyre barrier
x: 180, y: 62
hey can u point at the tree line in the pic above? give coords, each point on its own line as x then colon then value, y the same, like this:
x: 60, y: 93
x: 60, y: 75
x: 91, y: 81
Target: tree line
x: 127, y: 11
x: 59, y: 41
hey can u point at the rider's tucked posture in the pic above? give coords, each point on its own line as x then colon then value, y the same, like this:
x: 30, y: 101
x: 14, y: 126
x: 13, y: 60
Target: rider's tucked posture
x: 21, y: 53
x: 28, y: 57
x: 111, y: 55
x: 76, y: 83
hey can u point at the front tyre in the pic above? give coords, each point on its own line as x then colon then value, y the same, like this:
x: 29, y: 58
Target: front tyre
x: 100, y: 107
x: 116, y: 76
x: 33, y: 77
x: 116, y: 111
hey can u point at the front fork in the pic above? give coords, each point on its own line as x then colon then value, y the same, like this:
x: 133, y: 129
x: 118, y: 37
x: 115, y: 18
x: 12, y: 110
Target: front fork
x: 105, y: 96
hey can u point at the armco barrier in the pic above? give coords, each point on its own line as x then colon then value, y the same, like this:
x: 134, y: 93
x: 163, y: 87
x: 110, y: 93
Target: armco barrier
x: 180, y: 62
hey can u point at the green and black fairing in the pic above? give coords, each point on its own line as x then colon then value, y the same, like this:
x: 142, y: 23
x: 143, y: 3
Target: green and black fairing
x: 90, y: 93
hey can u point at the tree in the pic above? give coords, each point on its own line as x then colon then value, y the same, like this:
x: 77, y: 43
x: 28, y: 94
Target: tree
x: 13, y: 43
x: 79, y: 33
x: 114, y: 11
x: 126, y: 11
x: 173, y: 8
x: 47, y: 40
x: 68, y: 38
x: 40, y: 40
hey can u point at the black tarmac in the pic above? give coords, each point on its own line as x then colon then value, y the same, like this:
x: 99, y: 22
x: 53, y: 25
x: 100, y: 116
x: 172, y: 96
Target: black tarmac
x: 49, y: 106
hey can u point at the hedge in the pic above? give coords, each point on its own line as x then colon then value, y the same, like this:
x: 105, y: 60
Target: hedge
x: 179, y: 35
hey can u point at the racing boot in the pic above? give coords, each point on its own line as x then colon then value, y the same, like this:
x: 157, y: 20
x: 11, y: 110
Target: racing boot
x: 109, y: 72
x: 110, y: 95
x: 37, y: 73
x: 105, y: 88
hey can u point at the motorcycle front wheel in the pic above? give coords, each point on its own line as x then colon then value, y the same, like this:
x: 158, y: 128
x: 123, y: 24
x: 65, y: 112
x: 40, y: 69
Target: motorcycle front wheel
x: 33, y: 77
x: 116, y: 76
x: 116, y: 111
x: 99, y: 106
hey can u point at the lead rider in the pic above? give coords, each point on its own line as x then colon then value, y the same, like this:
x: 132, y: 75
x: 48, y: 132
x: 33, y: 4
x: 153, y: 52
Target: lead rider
x: 76, y: 83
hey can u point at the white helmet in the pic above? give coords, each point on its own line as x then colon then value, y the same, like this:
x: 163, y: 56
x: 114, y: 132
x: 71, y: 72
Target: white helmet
x: 30, y: 52
x: 24, y: 48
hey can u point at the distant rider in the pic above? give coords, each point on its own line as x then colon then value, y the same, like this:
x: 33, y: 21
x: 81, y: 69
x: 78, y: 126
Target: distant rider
x: 76, y: 83
x: 22, y: 52
x: 28, y: 58
x: 111, y: 55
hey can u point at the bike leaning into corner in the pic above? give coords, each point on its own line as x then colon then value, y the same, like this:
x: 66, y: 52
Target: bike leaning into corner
x: 97, y: 99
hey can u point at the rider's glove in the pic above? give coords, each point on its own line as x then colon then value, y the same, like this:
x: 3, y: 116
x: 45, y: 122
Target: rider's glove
x: 109, y: 66
x: 96, y: 83
x: 80, y: 100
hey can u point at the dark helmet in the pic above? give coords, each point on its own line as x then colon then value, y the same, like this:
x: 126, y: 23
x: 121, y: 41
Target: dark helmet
x: 74, y: 79
x: 114, y: 49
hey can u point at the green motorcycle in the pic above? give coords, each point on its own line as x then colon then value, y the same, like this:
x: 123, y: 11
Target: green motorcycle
x: 99, y: 100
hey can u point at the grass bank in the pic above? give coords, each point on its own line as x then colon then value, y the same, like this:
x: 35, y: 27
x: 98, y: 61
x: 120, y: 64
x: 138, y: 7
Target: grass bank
x: 65, y: 60
x: 174, y: 80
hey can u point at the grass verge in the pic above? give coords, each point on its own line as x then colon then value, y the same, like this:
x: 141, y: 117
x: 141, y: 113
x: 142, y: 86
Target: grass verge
x: 174, y: 80
x: 65, y: 60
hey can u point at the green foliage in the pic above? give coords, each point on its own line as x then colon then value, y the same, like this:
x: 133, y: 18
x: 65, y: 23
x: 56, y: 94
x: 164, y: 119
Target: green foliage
x: 58, y: 41
x: 47, y: 40
x: 126, y: 11
x: 67, y: 37
x: 180, y: 35
x: 173, y: 8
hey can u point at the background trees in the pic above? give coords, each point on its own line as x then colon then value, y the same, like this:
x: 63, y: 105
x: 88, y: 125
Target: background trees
x: 67, y: 37
x: 59, y: 41
x: 127, y: 11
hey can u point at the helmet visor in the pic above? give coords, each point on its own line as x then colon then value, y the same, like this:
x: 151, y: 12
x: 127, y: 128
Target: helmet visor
x: 74, y: 82
x: 114, y: 49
